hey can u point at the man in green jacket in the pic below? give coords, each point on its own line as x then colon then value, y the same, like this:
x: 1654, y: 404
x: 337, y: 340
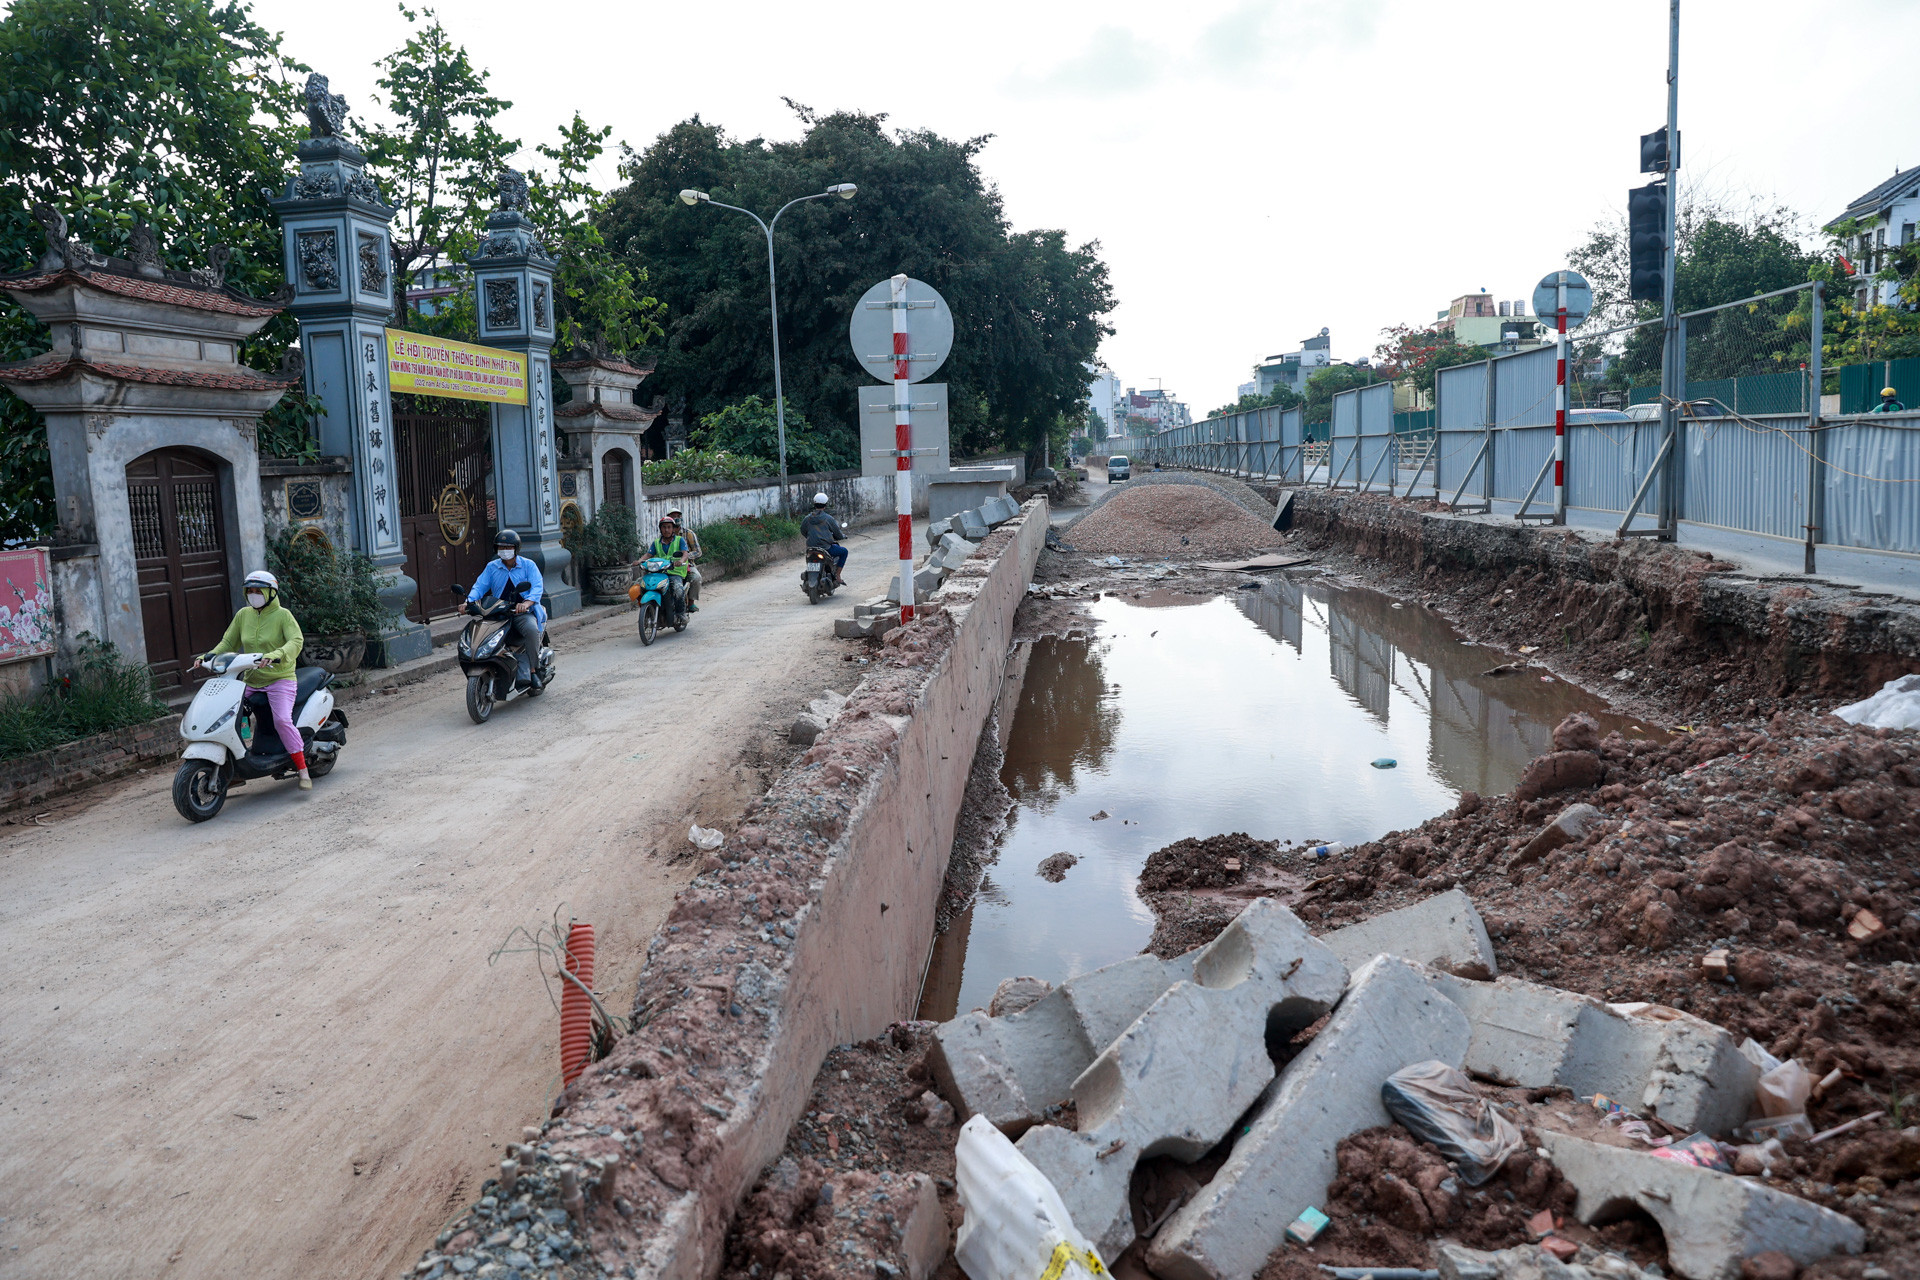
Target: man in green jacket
x: 266, y: 628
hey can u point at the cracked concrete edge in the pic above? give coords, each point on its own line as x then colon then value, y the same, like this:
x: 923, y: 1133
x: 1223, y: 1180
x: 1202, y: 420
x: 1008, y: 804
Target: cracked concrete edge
x: 842, y: 978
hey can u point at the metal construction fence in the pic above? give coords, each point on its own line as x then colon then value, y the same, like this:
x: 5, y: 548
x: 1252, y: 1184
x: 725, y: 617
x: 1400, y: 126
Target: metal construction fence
x: 1745, y: 448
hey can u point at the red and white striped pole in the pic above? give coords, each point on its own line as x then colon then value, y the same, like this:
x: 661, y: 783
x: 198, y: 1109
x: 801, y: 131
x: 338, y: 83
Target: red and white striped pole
x: 1560, y: 409
x: 903, y: 444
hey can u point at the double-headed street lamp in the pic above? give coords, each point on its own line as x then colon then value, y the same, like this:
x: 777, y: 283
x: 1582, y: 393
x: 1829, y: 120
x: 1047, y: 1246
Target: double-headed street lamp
x: 845, y: 190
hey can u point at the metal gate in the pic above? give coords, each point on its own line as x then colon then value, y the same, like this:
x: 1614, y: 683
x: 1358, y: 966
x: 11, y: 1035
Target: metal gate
x: 444, y: 458
x: 186, y: 600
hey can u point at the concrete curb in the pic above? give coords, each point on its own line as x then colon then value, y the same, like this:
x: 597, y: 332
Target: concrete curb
x: 809, y: 928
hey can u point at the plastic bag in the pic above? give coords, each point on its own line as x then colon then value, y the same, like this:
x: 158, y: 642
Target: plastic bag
x: 706, y: 837
x: 1016, y: 1227
x: 1896, y: 706
x: 1750, y: 1050
x: 1783, y: 1091
x: 1438, y: 1104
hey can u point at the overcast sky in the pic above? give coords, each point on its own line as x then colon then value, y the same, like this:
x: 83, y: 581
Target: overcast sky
x: 1253, y: 169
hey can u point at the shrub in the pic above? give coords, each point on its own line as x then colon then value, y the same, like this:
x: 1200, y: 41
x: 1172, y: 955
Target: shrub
x: 610, y: 538
x: 102, y: 692
x: 698, y: 466
x: 329, y: 594
x: 731, y: 543
x: 750, y: 427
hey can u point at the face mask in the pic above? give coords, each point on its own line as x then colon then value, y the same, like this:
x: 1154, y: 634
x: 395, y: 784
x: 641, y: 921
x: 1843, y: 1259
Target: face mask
x: 506, y: 554
x: 257, y: 599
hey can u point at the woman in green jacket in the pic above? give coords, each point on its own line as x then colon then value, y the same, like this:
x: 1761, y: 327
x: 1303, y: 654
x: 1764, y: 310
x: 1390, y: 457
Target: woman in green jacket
x: 266, y: 628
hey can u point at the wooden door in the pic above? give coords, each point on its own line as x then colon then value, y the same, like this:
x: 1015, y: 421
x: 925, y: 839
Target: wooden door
x: 186, y: 598
x: 444, y: 458
x: 613, y: 477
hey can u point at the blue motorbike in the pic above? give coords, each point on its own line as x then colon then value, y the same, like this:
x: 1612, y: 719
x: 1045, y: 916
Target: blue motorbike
x: 662, y: 596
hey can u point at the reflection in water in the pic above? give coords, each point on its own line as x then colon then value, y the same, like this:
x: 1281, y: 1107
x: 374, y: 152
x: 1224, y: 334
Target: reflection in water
x: 1260, y: 714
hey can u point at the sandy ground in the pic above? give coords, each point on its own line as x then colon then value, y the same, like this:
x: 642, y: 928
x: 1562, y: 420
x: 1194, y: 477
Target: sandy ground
x: 272, y: 1044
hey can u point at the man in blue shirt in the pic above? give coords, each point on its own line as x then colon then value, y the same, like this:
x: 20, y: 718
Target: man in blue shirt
x: 512, y: 578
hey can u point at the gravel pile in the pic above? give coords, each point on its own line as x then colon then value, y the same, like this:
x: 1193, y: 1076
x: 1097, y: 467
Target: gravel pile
x: 1242, y: 493
x: 1178, y: 520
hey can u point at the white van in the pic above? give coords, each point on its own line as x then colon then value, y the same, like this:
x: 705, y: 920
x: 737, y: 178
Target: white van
x: 1119, y: 468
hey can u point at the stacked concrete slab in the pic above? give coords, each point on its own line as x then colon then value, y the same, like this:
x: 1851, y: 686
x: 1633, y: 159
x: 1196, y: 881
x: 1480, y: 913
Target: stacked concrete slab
x: 952, y: 540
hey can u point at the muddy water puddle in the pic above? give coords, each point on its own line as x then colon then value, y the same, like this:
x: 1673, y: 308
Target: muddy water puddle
x: 1261, y: 712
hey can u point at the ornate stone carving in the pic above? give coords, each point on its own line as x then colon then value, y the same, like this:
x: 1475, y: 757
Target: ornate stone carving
x: 98, y: 424
x: 63, y: 251
x: 143, y: 250
x: 320, y: 259
x: 214, y: 274
x: 373, y: 265
x: 539, y: 305
x: 361, y: 187
x: 511, y: 186
x: 247, y: 427
x: 326, y: 112
x: 316, y: 185
x: 503, y: 304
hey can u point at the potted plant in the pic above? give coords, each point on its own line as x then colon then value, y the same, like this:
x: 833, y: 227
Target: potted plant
x: 335, y: 598
x: 608, y: 545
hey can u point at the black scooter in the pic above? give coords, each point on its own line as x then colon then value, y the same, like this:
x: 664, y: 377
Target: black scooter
x: 490, y: 658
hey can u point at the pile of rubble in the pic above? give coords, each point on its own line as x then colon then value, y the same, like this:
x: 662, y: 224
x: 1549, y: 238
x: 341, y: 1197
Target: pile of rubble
x: 951, y: 541
x: 1178, y: 520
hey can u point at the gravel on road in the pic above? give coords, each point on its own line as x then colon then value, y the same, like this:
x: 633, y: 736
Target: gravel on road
x: 1175, y: 520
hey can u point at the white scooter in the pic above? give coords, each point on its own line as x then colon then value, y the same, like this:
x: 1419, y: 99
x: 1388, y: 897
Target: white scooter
x: 231, y: 739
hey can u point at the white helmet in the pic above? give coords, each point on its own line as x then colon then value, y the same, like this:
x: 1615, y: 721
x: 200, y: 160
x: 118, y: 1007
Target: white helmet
x: 819, y: 499
x: 261, y: 578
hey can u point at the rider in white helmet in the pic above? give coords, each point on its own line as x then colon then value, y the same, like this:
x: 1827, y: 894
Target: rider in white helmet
x: 822, y: 530
x: 266, y: 627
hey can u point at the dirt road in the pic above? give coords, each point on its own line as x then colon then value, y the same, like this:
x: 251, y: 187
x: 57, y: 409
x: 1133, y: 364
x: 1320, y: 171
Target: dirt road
x: 272, y: 1044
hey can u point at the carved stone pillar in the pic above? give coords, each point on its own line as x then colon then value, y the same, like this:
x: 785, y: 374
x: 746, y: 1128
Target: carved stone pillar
x: 513, y: 293
x: 340, y: 269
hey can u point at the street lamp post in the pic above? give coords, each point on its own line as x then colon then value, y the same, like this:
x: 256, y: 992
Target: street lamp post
x: 845, y: 190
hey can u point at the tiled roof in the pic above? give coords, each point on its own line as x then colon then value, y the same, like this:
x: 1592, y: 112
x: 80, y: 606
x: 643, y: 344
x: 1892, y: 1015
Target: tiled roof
x: 1872, y: 200
x: 617, y: 412
x: 604, y: 362
x: 44, y: 370
x: 170, y: 292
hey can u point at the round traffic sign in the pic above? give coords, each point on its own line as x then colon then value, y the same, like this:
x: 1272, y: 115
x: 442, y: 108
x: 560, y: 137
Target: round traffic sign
x: 929, y: 330
x: 1546, y: 298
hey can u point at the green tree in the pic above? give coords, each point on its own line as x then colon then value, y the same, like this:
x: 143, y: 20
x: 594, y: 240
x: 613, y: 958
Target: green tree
x: 437, y: 156
x: 1028, y: 307
x: 750, y: 428
x: 601, y: 302
x: 176, y: 113
x: 1325, y: 383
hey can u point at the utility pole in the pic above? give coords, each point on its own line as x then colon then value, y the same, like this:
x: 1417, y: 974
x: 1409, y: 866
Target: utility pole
x: 1672, y: 358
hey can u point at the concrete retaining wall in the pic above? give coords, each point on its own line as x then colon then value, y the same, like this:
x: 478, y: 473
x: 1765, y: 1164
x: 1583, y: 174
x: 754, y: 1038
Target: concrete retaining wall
x: 854, y: 498
x: 808, y: 929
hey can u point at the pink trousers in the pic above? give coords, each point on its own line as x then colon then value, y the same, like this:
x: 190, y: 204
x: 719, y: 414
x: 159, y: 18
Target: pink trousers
x: 280, y: 698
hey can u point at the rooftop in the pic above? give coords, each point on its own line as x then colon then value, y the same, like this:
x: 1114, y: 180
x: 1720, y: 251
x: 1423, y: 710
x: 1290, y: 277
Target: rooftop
x: 1887, y: 191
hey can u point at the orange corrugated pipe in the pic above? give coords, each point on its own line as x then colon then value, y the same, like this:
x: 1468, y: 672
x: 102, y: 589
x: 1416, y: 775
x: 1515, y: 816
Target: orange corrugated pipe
x: 576, y: 1011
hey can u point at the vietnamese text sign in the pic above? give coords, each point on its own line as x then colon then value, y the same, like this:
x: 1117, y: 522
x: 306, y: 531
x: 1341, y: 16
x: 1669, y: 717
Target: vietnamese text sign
x: 429, y: 366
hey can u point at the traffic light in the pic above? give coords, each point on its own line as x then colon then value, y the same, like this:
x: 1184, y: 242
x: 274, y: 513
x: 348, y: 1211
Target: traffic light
x: 1653, y: 151
x: 1647, y: 242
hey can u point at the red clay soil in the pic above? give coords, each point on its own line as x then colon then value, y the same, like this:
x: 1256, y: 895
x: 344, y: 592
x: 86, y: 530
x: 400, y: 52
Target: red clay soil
x: 1767, y: 839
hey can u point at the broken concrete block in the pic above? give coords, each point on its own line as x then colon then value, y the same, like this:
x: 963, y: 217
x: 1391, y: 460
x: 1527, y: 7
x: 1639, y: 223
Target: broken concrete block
x: 1016, y: 994
x: 970, y: 525
x: 998, y: 509
x: 1175, y: 1081
x: 938, y: 530
x: 863, y: 628
x: 924, y: 1239
x: 1394, y: 1014
x: 952, y: 550
x: 811, y: 723
x: 1444, y: 931
x: 1573, y: 822
x: 1681, y: 1068
x: 925, y: 583
x: 1011, y: 1069
x: 1711, y: 1220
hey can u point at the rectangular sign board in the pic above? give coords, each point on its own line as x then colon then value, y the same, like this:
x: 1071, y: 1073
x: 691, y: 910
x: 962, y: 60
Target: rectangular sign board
x: 927, y: 412
x: 428, y: 366
x: 27, y: 626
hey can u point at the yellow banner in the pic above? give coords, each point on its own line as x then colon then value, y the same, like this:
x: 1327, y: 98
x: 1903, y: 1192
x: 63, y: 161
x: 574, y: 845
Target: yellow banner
x: 429, y: 366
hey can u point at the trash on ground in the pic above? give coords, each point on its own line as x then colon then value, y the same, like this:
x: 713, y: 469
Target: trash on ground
x: 1016, y: 1228
x: 1385, y: 762
x: 1865, y: 926
x: 1896, y: 706
x: 1783, y: 1090
x: 1272, y: 560
x: 1306, y: 1228
x: 1437, y: 1103
x: 1696, y: 1149
x: 1100, y: 815
x: 706, y: 837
